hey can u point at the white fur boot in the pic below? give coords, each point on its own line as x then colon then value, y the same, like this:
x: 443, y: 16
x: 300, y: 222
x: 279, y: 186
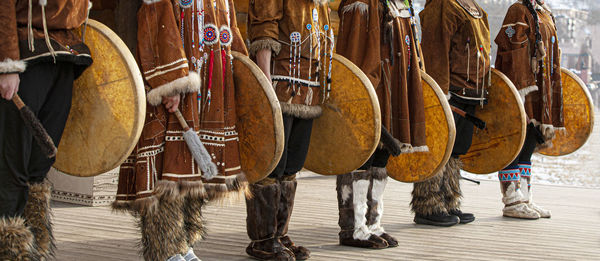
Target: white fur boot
x: 515, y: 204
x: 525, y: 170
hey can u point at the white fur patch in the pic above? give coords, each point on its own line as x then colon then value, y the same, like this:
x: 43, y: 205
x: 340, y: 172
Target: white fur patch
x: 320, y: 2
x: 421, y: 149
x: 43, y: 2
x: 360, y: 189
x: 149, y: 2
x: 187, y: 84
x: 527, y: 90
x: 356, y: 6
x: 346, y: 191
x: 12, y: 66
x: 512, y: 194
x: 377, y: 195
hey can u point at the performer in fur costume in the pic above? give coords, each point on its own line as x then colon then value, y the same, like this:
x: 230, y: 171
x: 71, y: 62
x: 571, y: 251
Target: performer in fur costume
x: 377, y: 36
x: 40, y: 57
x: 184, y: 51
x: 456, y: 47
x: 292, y: 42
x: 529, y: 55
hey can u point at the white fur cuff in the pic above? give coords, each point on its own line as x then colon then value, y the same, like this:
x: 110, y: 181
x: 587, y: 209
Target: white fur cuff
x: 356, y: 6
x: 11, y: 66
x: 258, y: 45
x: 190, y: 83
x: 527, y: 90
x: 149, y: 2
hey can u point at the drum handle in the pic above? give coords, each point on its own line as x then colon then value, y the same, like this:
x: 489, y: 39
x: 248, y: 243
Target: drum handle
x: 182, y: 121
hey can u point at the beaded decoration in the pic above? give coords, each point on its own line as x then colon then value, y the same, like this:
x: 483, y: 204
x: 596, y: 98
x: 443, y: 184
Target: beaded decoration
x: 185, y: 3
x: 553, y: 40
x: 331, y: 42
x: 407, y: 40
x: 295, y: 41
x: 225, y: 40
x: 211, y: 37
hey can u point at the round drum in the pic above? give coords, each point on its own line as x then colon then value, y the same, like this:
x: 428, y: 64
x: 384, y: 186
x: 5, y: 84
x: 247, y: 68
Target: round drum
x: 108, y: 108
x: 440, y: 133
x: 347, y: 133
x: 499, y: 144
x: 578, y: 112
x: 259, y: 119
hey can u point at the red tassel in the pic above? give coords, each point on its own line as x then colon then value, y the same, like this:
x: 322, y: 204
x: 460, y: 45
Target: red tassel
x: 224, y: 64
x: 210, y: 68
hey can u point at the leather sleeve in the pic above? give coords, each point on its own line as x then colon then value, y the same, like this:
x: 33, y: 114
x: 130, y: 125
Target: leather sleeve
x: 263, y: 29
x: 9, y: 41
x: 238, y: 41
x: 439, y: 24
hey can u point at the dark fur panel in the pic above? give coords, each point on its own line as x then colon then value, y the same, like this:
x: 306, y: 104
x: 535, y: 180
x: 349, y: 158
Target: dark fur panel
x: 38, y: 217
x: 379, y: 173
x: 361, y: 175
x: 452, y: 178
x: 193, y: 220
x: 162, y: 230
x: 427, y: 197
x: 16, y: 240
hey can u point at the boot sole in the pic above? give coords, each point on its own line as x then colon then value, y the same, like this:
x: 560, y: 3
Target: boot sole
x: 422, y: 221
x: 466, y: 221
x: 527, y: 218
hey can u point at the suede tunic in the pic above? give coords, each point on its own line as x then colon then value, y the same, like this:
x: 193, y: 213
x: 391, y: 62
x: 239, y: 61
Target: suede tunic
x: 61, y: 17
x: 456, y: 46
x: 173, y: 53
x: 383, y: 46
x: 541, y: 91
x: 298, y: 79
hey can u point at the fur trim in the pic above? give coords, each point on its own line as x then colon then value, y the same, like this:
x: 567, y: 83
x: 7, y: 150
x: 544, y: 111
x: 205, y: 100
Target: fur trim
x: 512, y: 194
x: 344, y: 186
x: 376, y: 201
x: 162, y: 230
x: 149, y: 2
x: 17, y: 241
x: 12, y: 66
x: 360, y: 189
x: 43, y: 2
x: 379, y: 173
x: 421, y: 149
x: 356, y: 6
x: 452, y: 184
x: 190, y: 83
x: 38, y: 217
x: 301, y: 111
x: 527, y: 90
x: 427, y: 197
x: 193, y: 220
x: 269, y: 43
x: 233, y: 190
x: 320, y: 2
x: 548, y: 130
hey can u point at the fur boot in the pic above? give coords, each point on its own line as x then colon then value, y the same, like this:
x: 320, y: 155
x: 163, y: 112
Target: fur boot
x: 286, y: 205
x: 453, y: 193
x: 375, y: 204
x: 261, y: 222
x: 515, y: 204
x: 38, y: 217
x: 429, y: 200
x: 352, y: 190
x: 162, y: 227
x: 193, y: 221
x: 525, y: 170
x: 16, y: 240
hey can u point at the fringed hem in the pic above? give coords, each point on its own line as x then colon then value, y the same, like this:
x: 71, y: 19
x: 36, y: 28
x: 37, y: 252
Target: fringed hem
x: 233, y: 190
x: 187, y: 84
x: 262, y: 44
x: 301, y: 111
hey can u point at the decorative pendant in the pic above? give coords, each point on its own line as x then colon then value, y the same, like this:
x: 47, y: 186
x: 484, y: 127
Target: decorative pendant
x: 185, y: 3
x: 407, y: 40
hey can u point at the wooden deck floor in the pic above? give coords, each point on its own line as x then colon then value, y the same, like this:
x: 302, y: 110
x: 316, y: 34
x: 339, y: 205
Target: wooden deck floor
x: 573, y: 233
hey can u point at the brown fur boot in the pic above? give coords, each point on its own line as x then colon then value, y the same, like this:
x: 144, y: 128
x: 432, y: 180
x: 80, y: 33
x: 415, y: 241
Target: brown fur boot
x: 352, y: 190
x: 16, y: 240
x: 193, y: 221
x: 286, y: 205
x: 261, y: 222
x: 38, y: 217
x: 375, y: 203
x: 453, y: 194
x: 429, y: 202
x: 162, y: 226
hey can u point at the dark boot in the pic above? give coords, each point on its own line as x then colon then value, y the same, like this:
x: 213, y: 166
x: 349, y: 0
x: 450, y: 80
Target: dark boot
x: 38, y: 217
x: 286, y: 206
x: 375, y: 204
x: 16, y: 240
x: 429, y: 201
x: 453, y: 192
x: 162, y: 224
x: 261, y: 222
x: 352, y: 190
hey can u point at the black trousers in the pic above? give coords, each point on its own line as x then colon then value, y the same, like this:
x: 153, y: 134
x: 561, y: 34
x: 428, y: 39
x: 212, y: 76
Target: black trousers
x: 297, y: 139
x: 527, y: 150
x: 464, y: 128
x: 47, y: 89
x: 379, y: 159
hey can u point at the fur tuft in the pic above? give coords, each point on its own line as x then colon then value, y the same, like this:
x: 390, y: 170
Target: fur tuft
x: 149, y: 2
x: 43, y: 2
x: 360, y: 188
x: 17, y: 241
x: 452, y: 184
x: 269, y: 43
x: 320, y: 2
x: 301, y: 111
x: 190, y: 83
x: 375, y: 200
x: 38, y: 217
x: 527, y: 90
x: 234, y: 189
x: 12, y: 66
x: 356, y: 6
x: 193, y: 220
x: 427, y: 198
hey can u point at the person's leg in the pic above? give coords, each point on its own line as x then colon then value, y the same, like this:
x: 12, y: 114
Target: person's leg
x: 526, y: 174
x: 375, y: 196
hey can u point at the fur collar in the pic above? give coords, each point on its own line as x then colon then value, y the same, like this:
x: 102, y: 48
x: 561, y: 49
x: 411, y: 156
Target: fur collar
x: 320, y: 2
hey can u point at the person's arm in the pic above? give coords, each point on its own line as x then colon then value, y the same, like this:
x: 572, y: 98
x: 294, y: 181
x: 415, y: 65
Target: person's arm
x: 263, y: 60
x: 10, y: 63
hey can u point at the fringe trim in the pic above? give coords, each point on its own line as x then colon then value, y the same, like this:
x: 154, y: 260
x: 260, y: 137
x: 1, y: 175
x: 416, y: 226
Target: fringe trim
x: 234, y: 190
x: 527, y: 90
x: 187, y: 84
x: 356, y: 6
x: 301, y: 111
x: 258, y: 45
x: 12, y: 66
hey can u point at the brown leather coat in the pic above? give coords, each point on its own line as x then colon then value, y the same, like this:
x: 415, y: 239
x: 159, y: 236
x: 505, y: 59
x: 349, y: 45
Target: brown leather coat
x: 383, y: 46
x: 61, y: 16
x: 298, y: 83
x: 541, y: 92
x: 177, y: 58
x: 456, y: 46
